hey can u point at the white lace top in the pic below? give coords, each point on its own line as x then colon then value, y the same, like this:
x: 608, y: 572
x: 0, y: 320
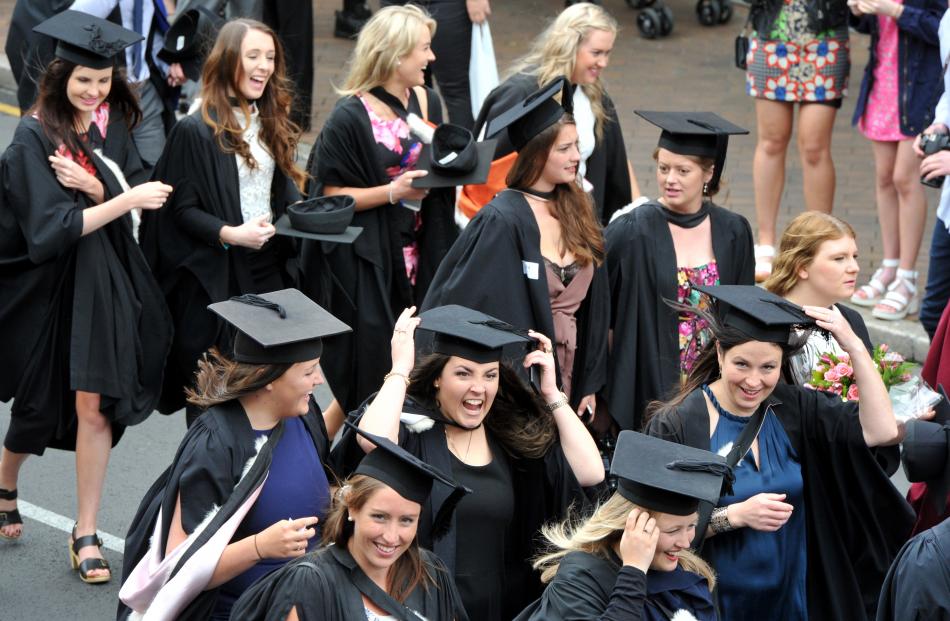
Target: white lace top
x: 803, y: 361
x: 255, y: 183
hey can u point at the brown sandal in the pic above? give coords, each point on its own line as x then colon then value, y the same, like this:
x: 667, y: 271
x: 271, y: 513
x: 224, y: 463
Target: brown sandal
x: 90, y: 564
x: 11, y: 517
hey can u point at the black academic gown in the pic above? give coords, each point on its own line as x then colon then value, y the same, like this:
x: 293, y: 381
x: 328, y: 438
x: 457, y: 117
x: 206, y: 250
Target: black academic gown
x: 544, y: 490
x: 364, y: 284
x: 644, y: 356
x: 30, y: 52
x: 855, y: 519
x: 588, y: 587
x: 496, y: 267
x: 917, y: 586
x: 607, y: 165
x: 181, y: 243
x: 218, y: 465
x: 328, y: 585
x: 76, y: 312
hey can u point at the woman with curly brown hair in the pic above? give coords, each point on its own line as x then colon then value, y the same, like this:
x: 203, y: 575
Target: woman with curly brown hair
x: 232, y: 165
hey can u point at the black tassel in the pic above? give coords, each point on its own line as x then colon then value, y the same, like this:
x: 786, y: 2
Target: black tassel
x: 443, y: 520
x: 255, y: 300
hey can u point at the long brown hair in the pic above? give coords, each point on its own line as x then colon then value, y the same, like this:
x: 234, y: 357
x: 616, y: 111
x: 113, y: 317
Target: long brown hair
x: 56, y: 114
x: 221, y: 379
x: 799, y: 245
x: 570, y: 205
x: 516, y: 418
x: 408, y: 572
x: 222, y: 71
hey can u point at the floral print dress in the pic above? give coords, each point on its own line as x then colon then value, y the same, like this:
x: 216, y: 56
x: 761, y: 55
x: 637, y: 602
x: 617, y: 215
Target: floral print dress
x: 693, y: 330
x: 398, y: 152
x: 793, y: 64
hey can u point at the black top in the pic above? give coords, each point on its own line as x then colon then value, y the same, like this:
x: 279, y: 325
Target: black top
x: 484, y: 517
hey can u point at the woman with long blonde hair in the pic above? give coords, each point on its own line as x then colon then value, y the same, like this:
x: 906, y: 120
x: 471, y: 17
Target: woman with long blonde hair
x: 576, y: 46
x: 366, y: 151
x: 232, y: 165
x: 631, y: 558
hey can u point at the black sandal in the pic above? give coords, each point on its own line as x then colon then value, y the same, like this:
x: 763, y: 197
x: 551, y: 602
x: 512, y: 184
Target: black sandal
x: 11, y: 517
x: 90, y: 564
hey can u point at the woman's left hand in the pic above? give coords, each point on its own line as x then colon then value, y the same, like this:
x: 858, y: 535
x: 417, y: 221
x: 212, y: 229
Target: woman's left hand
x: 887, y: 8
x: 589, y: 401
x: 544, y: 358
x: 72, y: 175
x: 478, y: 10
x: 833, y: 321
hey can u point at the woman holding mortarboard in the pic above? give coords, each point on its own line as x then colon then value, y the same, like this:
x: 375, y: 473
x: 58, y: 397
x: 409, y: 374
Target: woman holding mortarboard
x: 373, y: 568
x: 534, y: 256
x: 232, y: 165
x: 575, y: 46
x: 630, y: 559
x: 365, y: 150
x: 526, y: 457
x: 84, y: 329
x: 660, y: 251
x: 248, y: 485
x: 813, y: 522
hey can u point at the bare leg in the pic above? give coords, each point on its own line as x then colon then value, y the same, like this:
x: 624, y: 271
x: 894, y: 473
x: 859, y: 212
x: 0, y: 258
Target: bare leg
x: 815, y: 122
x: 885, y: 154
x: 93, y: 444
x: 774, y: 126
x: 10, y: 464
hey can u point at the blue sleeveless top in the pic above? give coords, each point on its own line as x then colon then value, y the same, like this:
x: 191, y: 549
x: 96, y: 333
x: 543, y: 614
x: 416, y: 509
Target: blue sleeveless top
x: 759, y: 570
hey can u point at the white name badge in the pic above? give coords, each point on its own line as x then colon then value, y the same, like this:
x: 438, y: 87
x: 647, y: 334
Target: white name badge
x: 530, y: 269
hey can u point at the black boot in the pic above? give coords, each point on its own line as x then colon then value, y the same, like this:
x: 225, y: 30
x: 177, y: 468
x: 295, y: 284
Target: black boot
x: 350, y: 20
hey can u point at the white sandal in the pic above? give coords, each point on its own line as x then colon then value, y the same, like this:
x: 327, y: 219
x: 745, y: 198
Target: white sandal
x: 763, y: 262
x: 875, y: 289
x: 895, y: 304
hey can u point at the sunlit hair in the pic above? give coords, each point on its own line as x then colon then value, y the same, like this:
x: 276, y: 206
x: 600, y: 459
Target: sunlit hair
x: 220, y: 379
x: 517, y: 417
x: 408, y: 572
x: 706, y: 163
x: 571, y: 206
x: 799, y: 245
x: 390, y: 35
x: 57, y: 115
x: 597, y: 535
x: 554, y: 52
x: 220, y: 80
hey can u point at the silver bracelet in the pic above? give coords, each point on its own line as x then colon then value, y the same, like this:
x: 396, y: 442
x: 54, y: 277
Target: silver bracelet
x: 391, y: 201
x: 719, y: 520
x: 550, y: 407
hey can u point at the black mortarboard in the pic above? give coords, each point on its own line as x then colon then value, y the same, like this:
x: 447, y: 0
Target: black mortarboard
x: 324, y: 218
x: 667, y: 477
x: 409, y: 476
x: 535, y: 114
x: 87, y: 40
x: 454, y: 158
x: 702, y: 134
x: 469, y: 334
x: 189, y: 39
x: 760, y: 314
x: 281, y: 327
x: 925, y: 453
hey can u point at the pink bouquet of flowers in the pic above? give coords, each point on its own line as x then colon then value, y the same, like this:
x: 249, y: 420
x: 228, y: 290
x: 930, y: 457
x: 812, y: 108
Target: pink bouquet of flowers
x: 834, y: 373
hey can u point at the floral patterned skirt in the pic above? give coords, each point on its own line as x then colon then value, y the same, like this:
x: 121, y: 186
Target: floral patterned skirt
x: 808, y: 69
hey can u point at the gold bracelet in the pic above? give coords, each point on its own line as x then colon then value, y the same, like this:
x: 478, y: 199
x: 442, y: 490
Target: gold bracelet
x: 550, y: 407
x: 259, y: 557
x: 404, y: 377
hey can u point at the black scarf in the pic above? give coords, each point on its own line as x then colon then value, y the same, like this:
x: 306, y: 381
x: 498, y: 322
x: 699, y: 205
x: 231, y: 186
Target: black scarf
x: 685, y: 220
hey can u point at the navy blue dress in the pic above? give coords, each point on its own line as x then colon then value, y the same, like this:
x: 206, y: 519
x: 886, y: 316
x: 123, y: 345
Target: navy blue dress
x: 760, y: 570
x: 295, y: 469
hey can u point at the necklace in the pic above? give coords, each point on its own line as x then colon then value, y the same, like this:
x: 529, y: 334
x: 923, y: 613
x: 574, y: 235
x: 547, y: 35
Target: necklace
x: 471, y: 432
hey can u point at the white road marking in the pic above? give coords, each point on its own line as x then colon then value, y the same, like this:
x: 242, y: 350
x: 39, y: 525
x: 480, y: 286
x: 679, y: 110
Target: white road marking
x: 63, y: 523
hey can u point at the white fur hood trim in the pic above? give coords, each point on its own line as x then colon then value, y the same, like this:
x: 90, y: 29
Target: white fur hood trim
x: 683, y: 615
x: 416, y: 423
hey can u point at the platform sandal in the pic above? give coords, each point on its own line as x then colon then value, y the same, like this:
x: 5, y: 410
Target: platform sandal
x: 763, y: 262
x: 11, y: 517
x: 875, y: 289
x: 896, y: 305
x: 90, y: 564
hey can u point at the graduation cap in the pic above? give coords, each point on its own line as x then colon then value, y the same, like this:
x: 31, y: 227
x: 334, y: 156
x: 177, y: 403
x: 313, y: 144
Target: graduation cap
x: 702, y: 134
x: 760, y: 314
x: 925, y: 453
x: 470, y: 334
x: 87, y: 40
x: 409, y: 476
x: 281, y: 327
x: 454, y: 158
x: 535, y: 114
x: 324, y: 218
x: 667, y: 477
x: 189, y: 38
